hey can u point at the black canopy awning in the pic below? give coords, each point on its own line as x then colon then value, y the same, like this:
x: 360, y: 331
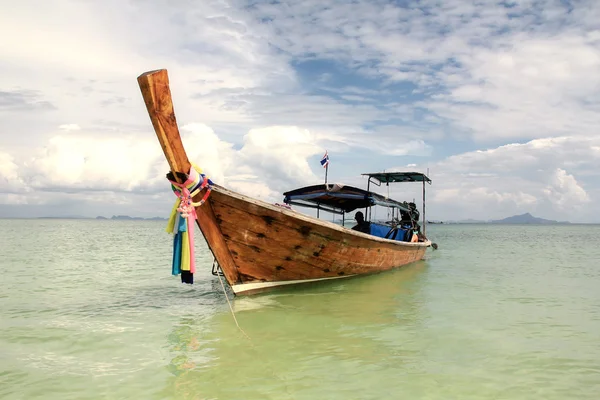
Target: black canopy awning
x: 393, y: 177
x: 340, y: 197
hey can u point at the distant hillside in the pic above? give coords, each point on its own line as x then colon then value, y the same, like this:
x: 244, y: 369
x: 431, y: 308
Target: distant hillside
x: 129, y: 218
x: 526, y: 218
x: 126, y: 217
x: 471, y: 221
x: 64, y: 217
x: 467, y: 221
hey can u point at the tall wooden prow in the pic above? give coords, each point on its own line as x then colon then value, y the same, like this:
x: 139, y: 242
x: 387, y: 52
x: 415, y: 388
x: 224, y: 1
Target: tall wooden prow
x: 157, y: 96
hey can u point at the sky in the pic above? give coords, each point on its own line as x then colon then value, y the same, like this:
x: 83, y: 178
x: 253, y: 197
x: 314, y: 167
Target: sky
x: 499, y: 101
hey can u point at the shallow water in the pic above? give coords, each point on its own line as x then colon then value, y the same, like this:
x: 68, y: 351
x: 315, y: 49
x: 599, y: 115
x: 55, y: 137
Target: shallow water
x: 89, y: 310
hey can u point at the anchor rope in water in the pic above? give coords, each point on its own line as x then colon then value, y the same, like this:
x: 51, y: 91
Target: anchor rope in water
x: 230, y: 306
x: 181, y: 224
x: 252, y: 344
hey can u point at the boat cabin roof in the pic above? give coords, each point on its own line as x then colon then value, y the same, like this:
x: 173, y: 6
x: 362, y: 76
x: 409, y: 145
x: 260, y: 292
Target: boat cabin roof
x: 392, y: 177
x: 339, y: 198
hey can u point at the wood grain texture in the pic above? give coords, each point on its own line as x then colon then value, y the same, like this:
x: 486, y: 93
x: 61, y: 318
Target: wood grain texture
x: 271, y: 244
x: 254, y: 241
x: 154, y: 86
x: 157, y: 96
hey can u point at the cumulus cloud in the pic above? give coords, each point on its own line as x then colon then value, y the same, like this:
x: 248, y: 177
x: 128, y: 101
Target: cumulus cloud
x: 491, y: 71
x: 13, y: 199
x: 280, y: 154
x: 270, y: 159
x: 223, y: 66
x: 204, y: 148
x: 529, y: 177
x: 537, y: 86
x: 112, y: 169
x: 262, y: 88
x: 564, y: 191
x: 9, y: 175
x: 90, y: 162
x: 517, y: 178
x: 69, y: 127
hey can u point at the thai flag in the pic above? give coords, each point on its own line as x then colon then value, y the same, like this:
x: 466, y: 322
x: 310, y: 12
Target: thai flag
x: 325, y: 160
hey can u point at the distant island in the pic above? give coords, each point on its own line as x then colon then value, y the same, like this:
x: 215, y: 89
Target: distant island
x: 129, y: 218
x: 100, y: 217
x: 65, y: 217
x: 526, y: 218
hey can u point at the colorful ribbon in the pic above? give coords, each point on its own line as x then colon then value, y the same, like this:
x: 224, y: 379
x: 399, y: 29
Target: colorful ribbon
x: 183, y: 216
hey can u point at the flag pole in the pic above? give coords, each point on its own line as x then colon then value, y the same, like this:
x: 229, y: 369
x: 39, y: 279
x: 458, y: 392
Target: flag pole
x: 325, y: 163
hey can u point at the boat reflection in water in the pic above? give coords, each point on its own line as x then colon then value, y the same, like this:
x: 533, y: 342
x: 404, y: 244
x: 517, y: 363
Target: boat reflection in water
x: 301, y: 340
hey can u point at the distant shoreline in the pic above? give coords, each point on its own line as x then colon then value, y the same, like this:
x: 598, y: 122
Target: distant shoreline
x: 99, y: 218
x: 523, y: 219
x: 453, y: 223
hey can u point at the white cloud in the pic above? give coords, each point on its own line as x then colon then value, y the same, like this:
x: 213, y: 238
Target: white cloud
x: 534, y: 88
x: 8, y: 169
x: 69, y: 127
x: 13, y: 199
x: 10, y: 182
x: 490, y: 71
x: 114, y: 169
x: 493, y: 183
x: 92, y: 162
x: 92, y: 52
x: 280, y: 154
x: 223, y: 69
x: 280, y: 82
x: 206, y: 150
x: 564, y: 191
x: 269, y: 161
x: 517, y: 178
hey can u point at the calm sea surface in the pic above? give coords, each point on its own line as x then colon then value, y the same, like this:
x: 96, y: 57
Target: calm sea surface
x: 89, y: 310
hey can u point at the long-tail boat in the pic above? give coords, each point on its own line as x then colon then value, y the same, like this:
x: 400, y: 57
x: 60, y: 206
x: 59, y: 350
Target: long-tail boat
x: 259, y: 246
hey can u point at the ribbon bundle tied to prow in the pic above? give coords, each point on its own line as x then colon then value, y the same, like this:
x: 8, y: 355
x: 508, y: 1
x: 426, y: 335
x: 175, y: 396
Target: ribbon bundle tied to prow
x: 183, y: 216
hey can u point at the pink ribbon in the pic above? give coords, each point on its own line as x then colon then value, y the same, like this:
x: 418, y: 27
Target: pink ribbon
x: 188, y: 211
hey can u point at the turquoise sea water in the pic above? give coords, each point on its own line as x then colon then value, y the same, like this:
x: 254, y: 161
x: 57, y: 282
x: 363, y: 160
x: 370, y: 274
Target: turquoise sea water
x: 88, y: 310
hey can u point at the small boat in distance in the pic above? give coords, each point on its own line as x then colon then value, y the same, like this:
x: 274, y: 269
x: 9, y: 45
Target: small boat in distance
x: 260, y: 246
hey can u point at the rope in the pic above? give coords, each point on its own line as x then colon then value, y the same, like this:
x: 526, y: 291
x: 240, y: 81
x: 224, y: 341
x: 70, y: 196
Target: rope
x: 252, y: 345
x: 231, y: 308
x: 181, y: 224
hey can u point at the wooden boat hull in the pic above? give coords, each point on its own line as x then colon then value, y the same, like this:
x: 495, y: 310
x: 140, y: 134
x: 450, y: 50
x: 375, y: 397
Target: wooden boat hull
x: 265, y: 246
x: 259, y: 245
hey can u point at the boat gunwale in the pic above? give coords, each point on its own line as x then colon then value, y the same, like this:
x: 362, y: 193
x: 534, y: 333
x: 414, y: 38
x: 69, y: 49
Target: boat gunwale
x: 309, y: 219
x: 259, y: 287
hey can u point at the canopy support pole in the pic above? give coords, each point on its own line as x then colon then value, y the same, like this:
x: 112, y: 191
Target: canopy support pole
x: 367, y: 209
x: 424, y: 219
